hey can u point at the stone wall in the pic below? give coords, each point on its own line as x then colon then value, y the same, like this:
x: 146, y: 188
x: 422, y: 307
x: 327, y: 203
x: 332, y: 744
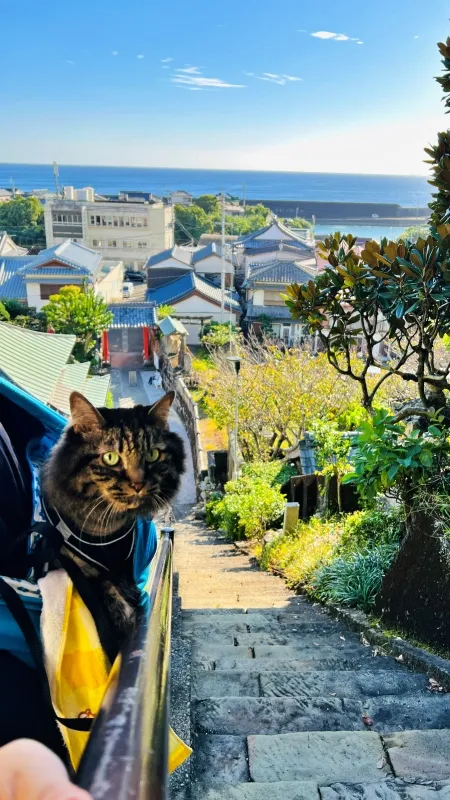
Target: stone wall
x: 187, y: 410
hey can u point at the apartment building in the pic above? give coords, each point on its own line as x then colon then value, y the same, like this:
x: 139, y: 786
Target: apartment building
x: 120, y: 228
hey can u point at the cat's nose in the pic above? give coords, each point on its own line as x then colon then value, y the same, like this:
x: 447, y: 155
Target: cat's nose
x: 137, y: 486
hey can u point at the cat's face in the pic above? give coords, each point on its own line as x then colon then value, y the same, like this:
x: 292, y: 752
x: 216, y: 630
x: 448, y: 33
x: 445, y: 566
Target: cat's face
x: 128, y: 458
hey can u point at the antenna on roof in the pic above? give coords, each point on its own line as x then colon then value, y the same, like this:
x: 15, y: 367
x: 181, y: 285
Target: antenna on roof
x: 56, y: 177
x: 11, y: 180
x: 222, y: 282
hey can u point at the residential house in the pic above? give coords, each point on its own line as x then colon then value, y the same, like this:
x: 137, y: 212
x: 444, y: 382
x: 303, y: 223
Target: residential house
x: 274, y: 241
x: 130, y: 341
x: 66, y: 264
x: 196, y: 301
x: 120, y: 228
x: 264, y: 286
x: 38, y: 364
x: 180, y: 198
x: 205, y: 261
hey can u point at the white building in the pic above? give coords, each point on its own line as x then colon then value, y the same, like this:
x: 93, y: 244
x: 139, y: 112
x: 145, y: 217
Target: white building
x: 204, y: 261
x: 180, y: 198
x: 119, y: 229
x: 196, y: 301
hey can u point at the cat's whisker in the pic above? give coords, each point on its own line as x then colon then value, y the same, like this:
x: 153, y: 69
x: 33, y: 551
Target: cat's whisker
x: 96, y: 503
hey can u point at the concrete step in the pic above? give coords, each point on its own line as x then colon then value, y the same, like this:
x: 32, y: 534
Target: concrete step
x: 272, y: 657
x: 350, y: 684
x: 240, y: 716
x: 306, y: 790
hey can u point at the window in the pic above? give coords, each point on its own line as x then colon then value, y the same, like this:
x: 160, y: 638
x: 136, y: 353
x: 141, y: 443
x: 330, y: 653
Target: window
x: 112, y: 243
x: 121, y: 222
x: 103, y: 221
x: 145, y: 222
x: 47, y: 289
x: 133, y: 222
x: 96, y: 242
x: 98, y: 220
x: 109, y: 220
x: 116, y: 222
x: 127, y: 222
x: 142, y: 244
x: 92, y: 219
x: 139, y: 222
x: 125, y: 243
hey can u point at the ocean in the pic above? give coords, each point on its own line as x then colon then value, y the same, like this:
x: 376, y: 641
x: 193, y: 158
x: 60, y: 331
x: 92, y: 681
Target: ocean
x: 407, y: 190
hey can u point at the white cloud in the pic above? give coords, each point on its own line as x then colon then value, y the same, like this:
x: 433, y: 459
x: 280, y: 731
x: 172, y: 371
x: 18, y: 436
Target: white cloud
x: 359, y: 42
x: 140, y: 56
x: 205, y: 83
x: 166, y: 60
x: 416, y: 37
x: 273, y: 77
x: 337, y: 37
x: 249, y: 74
x: 190, y: 70
x: 165, y: 66
x: 115, y: 53
x: 68, y: 61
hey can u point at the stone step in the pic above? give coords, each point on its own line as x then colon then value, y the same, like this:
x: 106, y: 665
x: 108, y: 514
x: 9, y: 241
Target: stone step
x: 236, y: 602
x: 391, y: 789
x: 350, y: 684
x: 238, y: 716
x: 277, y: 654
x: 306, y: 790
x: 326, y: 757
x: 359, y: 662
x: 241, y: 716
x: 297, y: 639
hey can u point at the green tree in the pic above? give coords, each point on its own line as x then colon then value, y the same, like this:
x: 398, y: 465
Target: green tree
x: 209, y: 203
x: 78, y: 311
x: 440, y: 153
x: 23, y: 218
x: 165, y: 311
x: 216, y: 334
x: 412, y: 232
x: 297, y: 222
x: 4, y: 313
x: 190, y: 223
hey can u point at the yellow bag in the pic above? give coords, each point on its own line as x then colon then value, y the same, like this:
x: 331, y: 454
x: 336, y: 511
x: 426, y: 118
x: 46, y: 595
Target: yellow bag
x: 77, y: 667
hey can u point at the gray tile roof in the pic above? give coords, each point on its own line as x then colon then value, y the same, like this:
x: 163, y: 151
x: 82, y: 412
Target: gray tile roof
x: 288, y: 236
x: 8, y: 247
x: 274, y: 312
x: 34, y: 360
x: 12, y: 284
x: 279, y: 272
x: 178, y: 289
x: 70, y: 254
x: 133, y: 315
x: 178, y: 253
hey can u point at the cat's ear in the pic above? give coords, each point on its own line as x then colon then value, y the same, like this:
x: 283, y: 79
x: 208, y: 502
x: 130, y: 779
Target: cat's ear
x: 159, y: 413
x: 85, y: 417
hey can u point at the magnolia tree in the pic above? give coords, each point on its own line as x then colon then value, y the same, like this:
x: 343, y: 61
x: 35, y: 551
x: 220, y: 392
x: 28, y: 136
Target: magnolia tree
x: 398, y: 292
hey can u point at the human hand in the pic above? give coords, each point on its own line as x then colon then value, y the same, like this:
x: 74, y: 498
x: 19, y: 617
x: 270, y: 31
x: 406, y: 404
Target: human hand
x: 29, y: 771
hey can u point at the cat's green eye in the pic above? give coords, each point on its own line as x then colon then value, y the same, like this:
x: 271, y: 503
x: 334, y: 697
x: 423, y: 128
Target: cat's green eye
x: 111, y: 458
x: 153, y: 455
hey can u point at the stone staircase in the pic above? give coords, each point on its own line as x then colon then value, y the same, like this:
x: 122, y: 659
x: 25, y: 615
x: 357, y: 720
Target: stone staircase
x: 287, y: 703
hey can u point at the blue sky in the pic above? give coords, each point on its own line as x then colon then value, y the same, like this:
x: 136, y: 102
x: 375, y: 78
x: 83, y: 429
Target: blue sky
x: 246, y: 84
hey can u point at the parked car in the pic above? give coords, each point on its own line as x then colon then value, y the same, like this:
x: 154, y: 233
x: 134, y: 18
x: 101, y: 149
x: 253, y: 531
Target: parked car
x: 127, y: 289
x: 134, y: 276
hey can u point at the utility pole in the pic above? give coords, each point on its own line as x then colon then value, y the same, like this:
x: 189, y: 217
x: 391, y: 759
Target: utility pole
x: 245, y: 194
x: 13, y: 187
x: 222, y: 283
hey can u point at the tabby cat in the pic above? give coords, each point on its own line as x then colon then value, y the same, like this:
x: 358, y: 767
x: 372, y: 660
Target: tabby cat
x: 110, y: 467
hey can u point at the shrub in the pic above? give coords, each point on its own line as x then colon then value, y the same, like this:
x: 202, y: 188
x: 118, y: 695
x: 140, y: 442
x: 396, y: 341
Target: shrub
x: 274, y: 473
x: 371, y: 528
x: 354, y: 580
x: 300, y: 554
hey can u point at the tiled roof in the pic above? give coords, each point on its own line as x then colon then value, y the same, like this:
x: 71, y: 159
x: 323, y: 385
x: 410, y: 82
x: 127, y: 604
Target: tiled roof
x: 69, y: 253
x: 178, y: 253
x: 133, y: 315
x: 205, y: 252
x: 12, y: 284
x: 170, y: 325
x: 47, y: 275
x: 34, y: 360
x: 8, y: 247
x: 274, y: 312
x: 288, y: 236
x: 178, y: 289
x: 277, y: 271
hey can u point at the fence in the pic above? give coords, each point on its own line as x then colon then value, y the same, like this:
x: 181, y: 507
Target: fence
x: 187, y: 409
